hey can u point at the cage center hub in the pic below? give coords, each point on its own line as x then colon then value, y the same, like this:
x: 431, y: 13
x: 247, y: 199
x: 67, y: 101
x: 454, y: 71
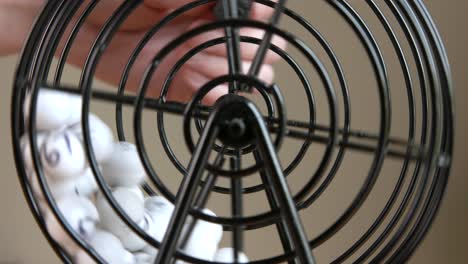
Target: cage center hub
x: 235, y: 130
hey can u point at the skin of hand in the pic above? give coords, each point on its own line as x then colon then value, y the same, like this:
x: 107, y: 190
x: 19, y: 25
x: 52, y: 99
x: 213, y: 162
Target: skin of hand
x: 211, y: 63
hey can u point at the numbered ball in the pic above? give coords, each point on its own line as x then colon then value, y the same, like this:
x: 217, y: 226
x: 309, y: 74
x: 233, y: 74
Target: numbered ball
x: 62, y: 156
x: 123, y: 167
x: 204, y: 251
x: 158, y: 204
x: 207, y: 231
x: 144, y: 258
x: 84, y: 185
x: 54, y: 109
x: 136, y: 190
x: 80, y: 214
x: 76, y: 103
x: 159, y: 212
x: 27, y: 150
x: 101, y: 137
x: 127, y: 200
x: 109, y: 247
x: 132, y: 205
x: 227, y: 255
x: 157, y: 224
x: 150, y: 251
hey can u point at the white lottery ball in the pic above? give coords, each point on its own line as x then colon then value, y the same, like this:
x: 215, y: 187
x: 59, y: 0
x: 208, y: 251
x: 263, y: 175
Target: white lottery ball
x: 54, y: 109
x: 151, y: 251
x: 84, y: 185
x: 123, y: 167
x: 101, y: 136
x: 206, y: 231
x: 131, y: 240
x: 204, y: 251
x: 159, y: 211
x: 27, y: 150
x: 144, y: 258
x: 157, y: 224
x: 76, y: 103
x: 79, y: 213
x: 136, y: 190
x: 132, y: 205
x: 157, y: 204
x: 108, y: 247
x: 127, y: 199
x: 227, y: 255
x: 62, y: 156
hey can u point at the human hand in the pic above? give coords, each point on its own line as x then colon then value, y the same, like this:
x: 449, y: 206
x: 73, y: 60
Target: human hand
x: 203, y: 67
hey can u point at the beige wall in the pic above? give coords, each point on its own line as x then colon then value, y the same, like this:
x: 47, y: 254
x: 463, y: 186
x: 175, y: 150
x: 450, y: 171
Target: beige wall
x: 21, y: 241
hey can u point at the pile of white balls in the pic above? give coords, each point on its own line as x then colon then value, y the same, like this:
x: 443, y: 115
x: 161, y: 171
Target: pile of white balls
x: 86, y: 210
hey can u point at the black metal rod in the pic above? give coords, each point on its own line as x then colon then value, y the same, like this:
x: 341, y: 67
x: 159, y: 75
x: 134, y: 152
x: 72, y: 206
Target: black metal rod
x: 171, y: 107
x: 266, y: 42
x: 179, y: 109
x: 274, y: 171
x: 233, y: 41
x: 283, y: 194
x: 17, y: 123
x: 237, y: 207
x: 353, y: 133
x: 202, y: 112
x: 284, y: 236
x: 202, y: 198
x: 71, y: 39
x: 63, y: 13
x: 417, y: 152
x: 187, y: 190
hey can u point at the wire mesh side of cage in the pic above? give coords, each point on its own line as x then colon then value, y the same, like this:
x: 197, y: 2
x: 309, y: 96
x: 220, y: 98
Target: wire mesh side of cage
x: 432, y: 155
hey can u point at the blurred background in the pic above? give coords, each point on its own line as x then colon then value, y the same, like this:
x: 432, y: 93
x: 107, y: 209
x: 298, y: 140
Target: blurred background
x: 22, y: 242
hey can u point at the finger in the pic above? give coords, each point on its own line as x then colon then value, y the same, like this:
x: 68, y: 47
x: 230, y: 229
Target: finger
x: 215, y: 94
x: 214, y: 66
x: 261, y: 12
x: 144, y: 16
x: 248, y: 50
x: 118, y: 52
x: 140, y: 18
x: 194, y: 81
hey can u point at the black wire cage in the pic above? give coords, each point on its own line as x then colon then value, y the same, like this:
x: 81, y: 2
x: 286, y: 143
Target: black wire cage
x: 234, y: 128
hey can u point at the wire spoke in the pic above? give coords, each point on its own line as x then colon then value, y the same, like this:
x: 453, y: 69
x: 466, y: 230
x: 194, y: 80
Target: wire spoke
x: 170, y: 107
x: 266, y: 42
x: 274, y: 205
x: 237, y: 207
x: 409, y: 150
x: 230, y: 8
x: 350, y: 133
x: 399, y: 148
